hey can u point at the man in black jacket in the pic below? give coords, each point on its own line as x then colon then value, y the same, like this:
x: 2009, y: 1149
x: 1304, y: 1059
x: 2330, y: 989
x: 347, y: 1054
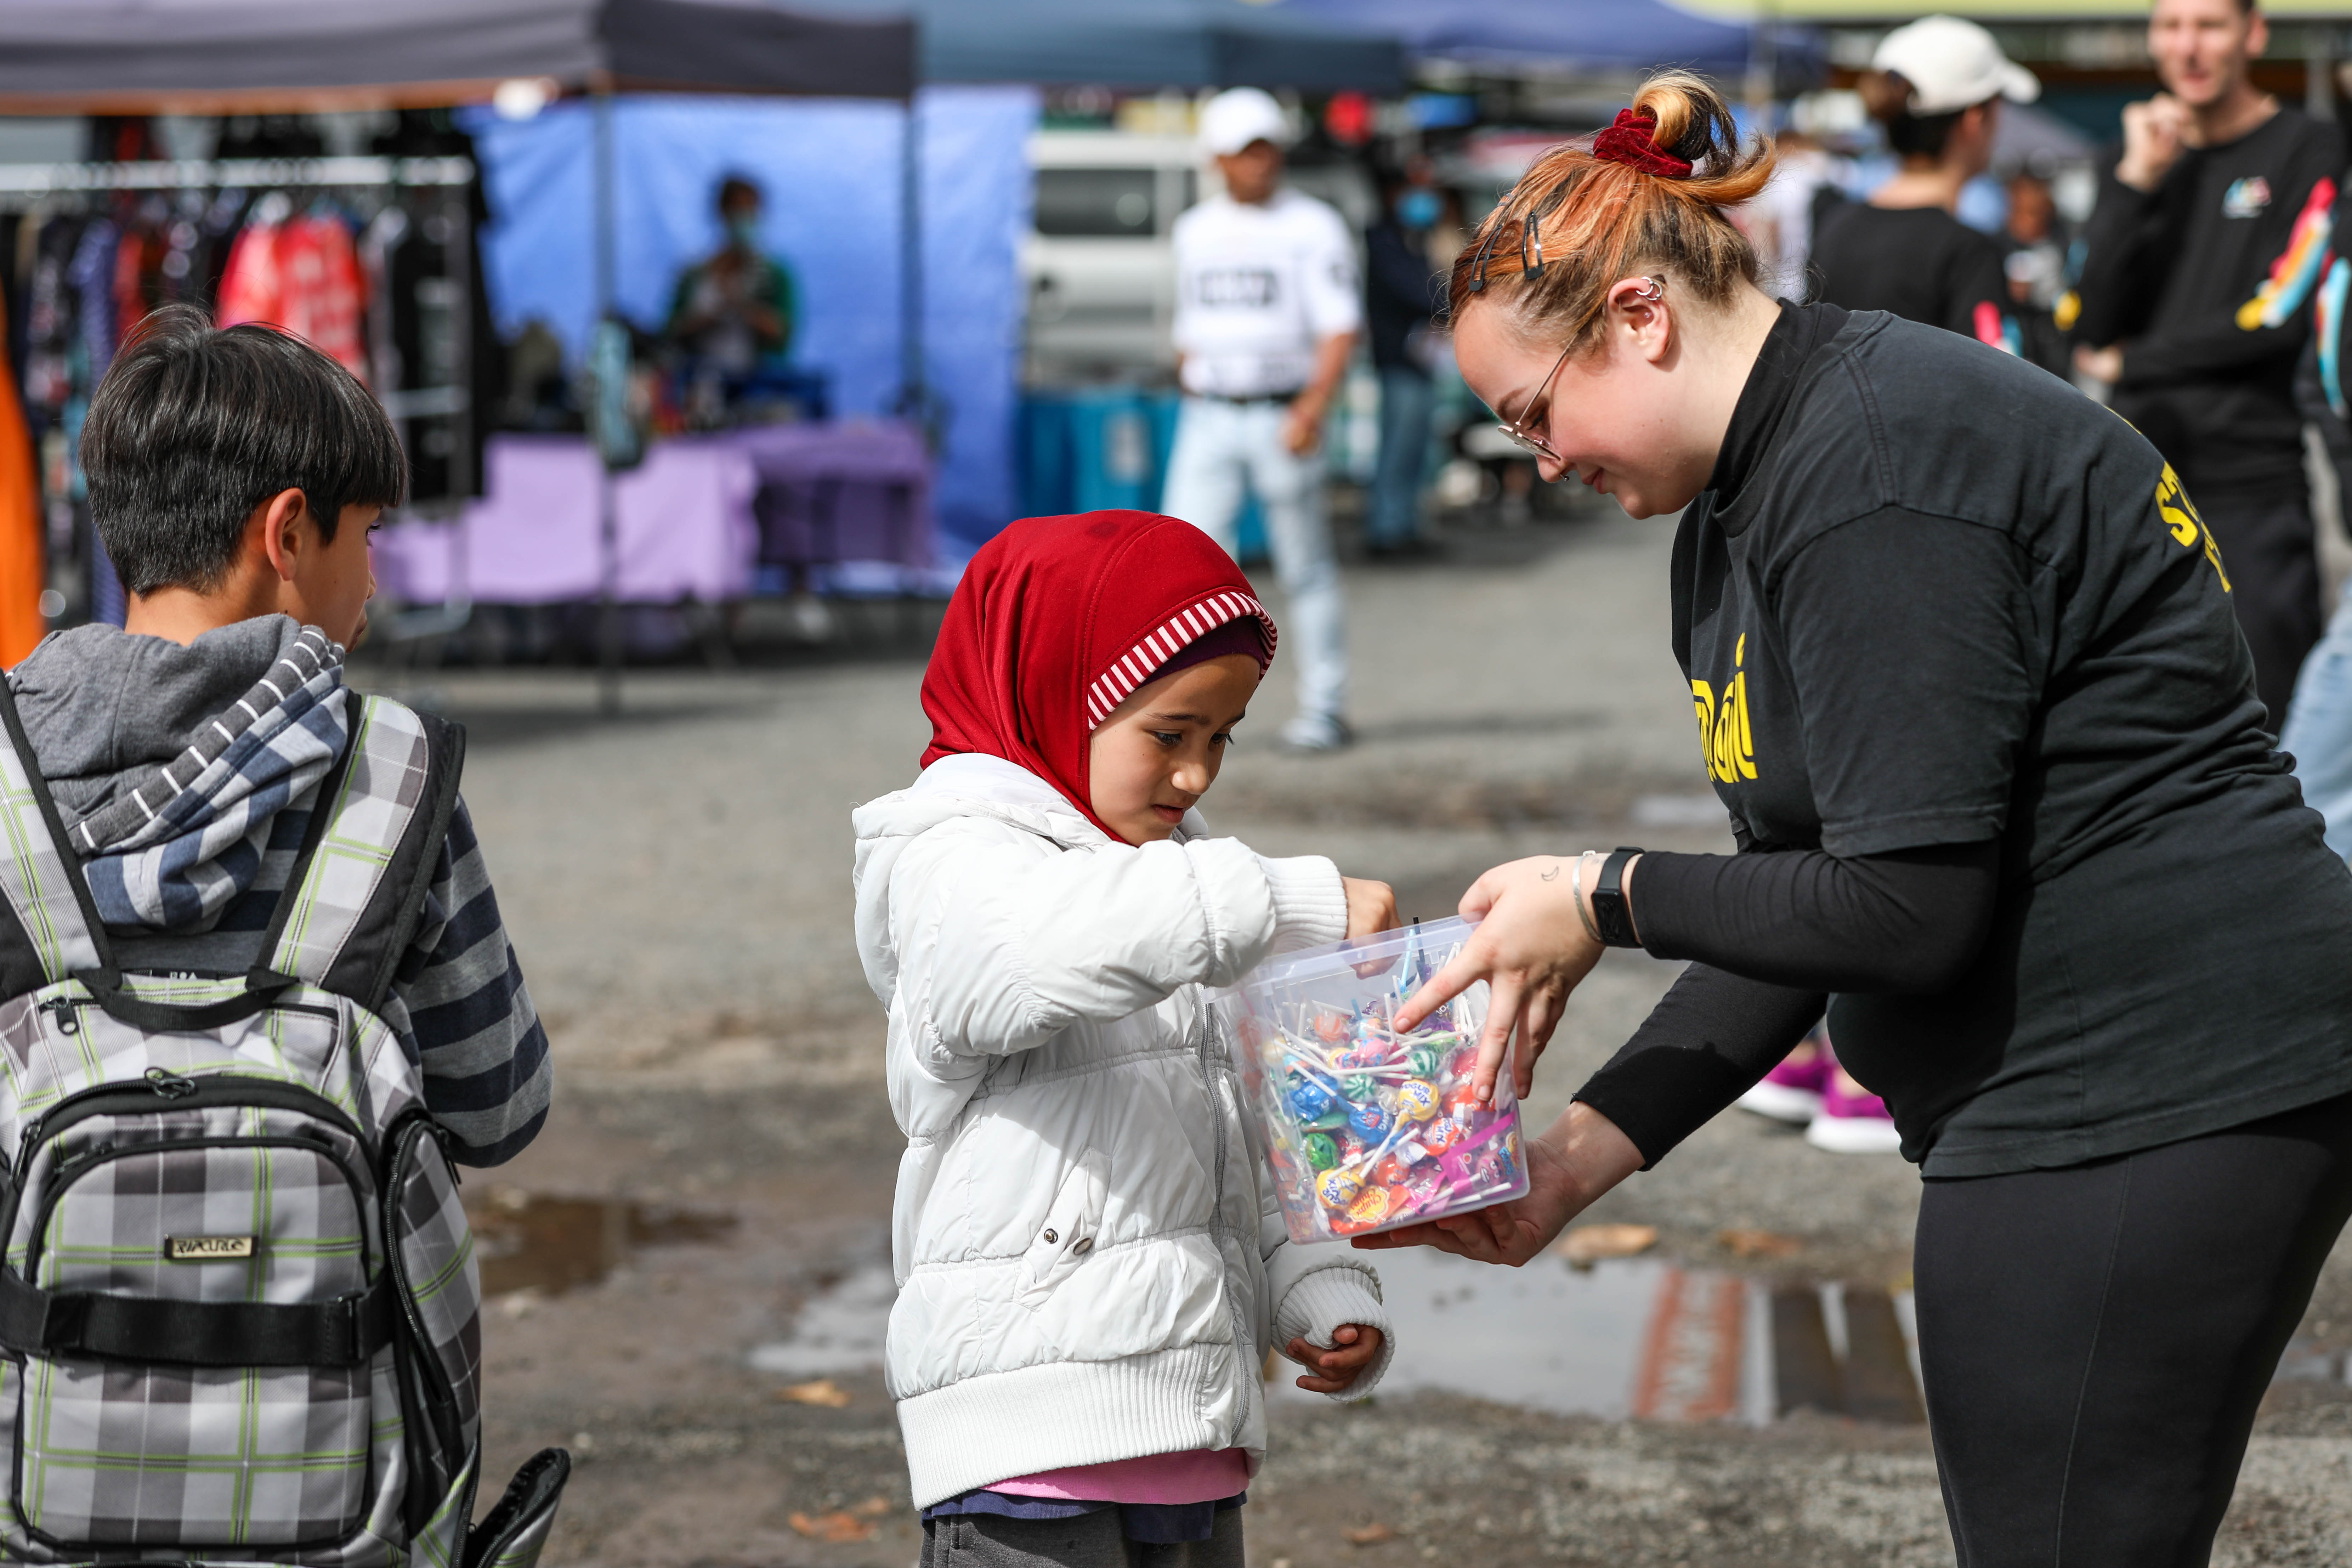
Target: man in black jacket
x: 2195, y: 294
x: 1401, y: 295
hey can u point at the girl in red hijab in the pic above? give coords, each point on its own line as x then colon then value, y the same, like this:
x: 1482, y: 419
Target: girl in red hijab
x: 1091, y: 1266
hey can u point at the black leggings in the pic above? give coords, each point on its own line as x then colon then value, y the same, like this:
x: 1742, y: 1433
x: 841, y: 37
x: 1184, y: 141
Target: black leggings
x: 2094, y: 1340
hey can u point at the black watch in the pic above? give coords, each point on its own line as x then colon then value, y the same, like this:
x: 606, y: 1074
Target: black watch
x: 1608, y: 912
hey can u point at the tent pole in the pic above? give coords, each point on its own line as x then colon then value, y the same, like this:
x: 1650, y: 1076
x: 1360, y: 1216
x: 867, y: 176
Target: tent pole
x: 914, y: 396
x: 608, y: 519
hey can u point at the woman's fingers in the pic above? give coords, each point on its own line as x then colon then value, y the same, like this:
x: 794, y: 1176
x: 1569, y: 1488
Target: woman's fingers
x: 1469, y: 967
x: 1494, y: 1039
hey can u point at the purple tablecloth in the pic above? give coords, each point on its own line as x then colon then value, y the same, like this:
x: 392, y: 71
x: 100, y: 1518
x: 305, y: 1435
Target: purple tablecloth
x: 841, y: 492
x: 687, y: 523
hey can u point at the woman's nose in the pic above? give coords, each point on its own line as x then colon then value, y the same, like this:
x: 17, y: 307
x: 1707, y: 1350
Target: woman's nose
x: 1552, y: 469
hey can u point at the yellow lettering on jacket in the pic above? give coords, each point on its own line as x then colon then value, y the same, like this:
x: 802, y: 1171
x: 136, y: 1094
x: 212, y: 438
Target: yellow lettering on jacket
x: 1727, y: 737
x: 2185, y: 523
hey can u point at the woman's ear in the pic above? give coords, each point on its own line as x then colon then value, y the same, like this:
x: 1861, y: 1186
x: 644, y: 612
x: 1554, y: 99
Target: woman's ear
x: 1639, y: 314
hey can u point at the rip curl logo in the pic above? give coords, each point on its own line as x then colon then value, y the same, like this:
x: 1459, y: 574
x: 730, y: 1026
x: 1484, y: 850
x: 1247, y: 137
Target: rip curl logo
x: 1726, y: 737
x: 206, y: 1249
x: 2182, y: 520
x: 2246, y: 197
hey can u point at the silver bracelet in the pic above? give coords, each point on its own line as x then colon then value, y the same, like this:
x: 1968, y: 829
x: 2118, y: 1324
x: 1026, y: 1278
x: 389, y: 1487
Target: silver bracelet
x: 1576, y: 892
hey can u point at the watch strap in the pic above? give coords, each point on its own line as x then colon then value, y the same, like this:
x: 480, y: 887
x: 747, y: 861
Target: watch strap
x: 1609, y: 911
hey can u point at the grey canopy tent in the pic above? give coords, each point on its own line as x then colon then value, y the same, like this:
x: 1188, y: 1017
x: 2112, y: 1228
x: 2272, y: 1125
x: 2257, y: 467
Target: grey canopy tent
x: 140, y: 55
x: 200, y: 56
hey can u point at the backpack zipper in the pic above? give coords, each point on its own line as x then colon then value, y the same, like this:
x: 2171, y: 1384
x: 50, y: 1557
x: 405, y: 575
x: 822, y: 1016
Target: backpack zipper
x: 180, y: 1094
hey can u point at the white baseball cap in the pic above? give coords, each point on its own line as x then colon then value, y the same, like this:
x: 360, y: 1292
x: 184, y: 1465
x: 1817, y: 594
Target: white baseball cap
x: 1952, y: 65
x: 1239, y: 116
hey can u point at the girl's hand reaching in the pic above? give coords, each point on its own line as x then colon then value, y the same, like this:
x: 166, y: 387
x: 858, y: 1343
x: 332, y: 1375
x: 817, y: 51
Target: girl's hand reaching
x: 1371, y: 907
x: 1354, y: 1348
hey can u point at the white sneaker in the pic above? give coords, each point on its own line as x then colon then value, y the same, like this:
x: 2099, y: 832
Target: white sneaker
x: 1317, y: 732
x: 1782, y: 1102
x: 1854, y: 1134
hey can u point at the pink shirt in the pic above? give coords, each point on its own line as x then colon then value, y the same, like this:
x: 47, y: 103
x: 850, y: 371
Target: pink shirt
x: 1199, y: 1475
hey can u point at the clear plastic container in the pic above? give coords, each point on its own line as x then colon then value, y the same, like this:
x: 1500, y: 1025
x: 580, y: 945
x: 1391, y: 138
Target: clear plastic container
x: 1369, y: 1129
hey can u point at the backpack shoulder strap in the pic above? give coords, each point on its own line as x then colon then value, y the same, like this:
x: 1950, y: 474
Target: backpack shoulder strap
x: 353, y: 898
x: 53, y: 931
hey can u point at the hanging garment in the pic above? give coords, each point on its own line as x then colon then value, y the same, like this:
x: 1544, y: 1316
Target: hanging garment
x: 21, y: 624
x: 302, y: 275
x: 91, y: 274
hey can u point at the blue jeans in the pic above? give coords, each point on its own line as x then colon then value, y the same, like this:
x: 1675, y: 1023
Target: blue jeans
x: 2318, y: 728
x: 1407, y: 400
x: 1221, y: 446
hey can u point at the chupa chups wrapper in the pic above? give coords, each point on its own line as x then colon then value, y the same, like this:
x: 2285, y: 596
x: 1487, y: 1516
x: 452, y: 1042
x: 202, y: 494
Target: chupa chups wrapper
x: 1368, y: 1129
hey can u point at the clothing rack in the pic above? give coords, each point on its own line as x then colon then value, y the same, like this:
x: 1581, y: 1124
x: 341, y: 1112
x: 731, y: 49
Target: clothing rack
x: 34, y: 180
x: 25, y: 186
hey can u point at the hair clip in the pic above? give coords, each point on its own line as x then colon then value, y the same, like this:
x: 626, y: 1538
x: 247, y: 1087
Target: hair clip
x: 1477, y: 284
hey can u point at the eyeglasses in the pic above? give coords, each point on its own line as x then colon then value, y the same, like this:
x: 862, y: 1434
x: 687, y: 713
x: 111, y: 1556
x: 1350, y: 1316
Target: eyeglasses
x: 1534, y: 441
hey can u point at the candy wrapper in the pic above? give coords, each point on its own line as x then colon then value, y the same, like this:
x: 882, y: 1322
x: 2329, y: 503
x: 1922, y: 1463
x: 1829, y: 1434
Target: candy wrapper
x: 1369, y: 1129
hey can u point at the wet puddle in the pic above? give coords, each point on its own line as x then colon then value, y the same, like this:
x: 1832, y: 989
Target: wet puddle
x: 1645, y: 1339
x: 1638, y: 1338
x: 843, y: 1328
x: 528, y: 1242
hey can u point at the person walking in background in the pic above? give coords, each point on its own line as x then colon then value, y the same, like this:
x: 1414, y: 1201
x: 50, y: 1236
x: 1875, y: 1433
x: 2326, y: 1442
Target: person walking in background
x: 2199, y: 267
x: 1400, y: 287
x: 1936, y: 86
x: 1266, y: 314
x: 1805, y: 186
x: 2036, y: 261
x: 2317, y: 730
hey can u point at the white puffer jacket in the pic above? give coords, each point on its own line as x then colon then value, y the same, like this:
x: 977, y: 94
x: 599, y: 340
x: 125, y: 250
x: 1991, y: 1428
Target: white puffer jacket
x: 1089, y: 1259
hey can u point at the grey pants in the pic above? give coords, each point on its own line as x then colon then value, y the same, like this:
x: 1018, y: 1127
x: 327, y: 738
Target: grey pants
x: 1089, y: 1541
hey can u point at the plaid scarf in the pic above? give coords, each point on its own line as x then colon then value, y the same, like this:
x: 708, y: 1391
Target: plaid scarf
x: 173, y: 853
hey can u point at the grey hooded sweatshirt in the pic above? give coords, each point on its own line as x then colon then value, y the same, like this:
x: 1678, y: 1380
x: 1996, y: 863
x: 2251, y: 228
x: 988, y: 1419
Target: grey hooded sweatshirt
x: 105, y: 712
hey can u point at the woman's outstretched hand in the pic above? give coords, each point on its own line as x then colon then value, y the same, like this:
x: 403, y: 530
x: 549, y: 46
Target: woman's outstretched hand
x: 1576, y: 1160
x: 1531, y: 947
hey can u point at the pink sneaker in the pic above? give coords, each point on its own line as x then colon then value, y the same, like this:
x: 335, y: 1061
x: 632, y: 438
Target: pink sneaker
x: 1791, y: 1092
x: 1852, y: 1119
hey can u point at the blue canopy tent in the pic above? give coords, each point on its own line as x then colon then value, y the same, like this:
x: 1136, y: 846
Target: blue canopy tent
x: 1590, y: 33
x: 1148, y: 43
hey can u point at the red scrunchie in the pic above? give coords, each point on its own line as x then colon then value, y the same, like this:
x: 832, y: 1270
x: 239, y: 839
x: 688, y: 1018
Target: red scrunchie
x: 1632, y: 142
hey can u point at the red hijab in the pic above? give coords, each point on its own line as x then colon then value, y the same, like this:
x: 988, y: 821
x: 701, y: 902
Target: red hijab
x: 1057, y: 620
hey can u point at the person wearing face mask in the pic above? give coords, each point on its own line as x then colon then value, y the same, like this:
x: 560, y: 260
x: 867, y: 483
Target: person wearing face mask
x: 1400, y: 297
x: 1969, y: 687
x: 734, y: 310
x: 1936, y: 86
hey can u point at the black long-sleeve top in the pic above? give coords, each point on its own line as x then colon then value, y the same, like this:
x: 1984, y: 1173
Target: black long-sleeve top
x: 1968, y: 682
x: 2207, y: 281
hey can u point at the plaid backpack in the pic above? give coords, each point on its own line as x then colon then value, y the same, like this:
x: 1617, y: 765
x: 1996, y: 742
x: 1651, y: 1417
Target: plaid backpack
x: 240, y: 1312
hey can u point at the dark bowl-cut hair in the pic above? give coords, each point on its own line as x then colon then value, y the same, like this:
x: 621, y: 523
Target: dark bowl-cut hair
x: 195, y: 427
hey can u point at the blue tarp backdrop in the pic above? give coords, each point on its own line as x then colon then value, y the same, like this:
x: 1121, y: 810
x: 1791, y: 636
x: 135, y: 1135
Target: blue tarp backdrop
x: 831, y: 171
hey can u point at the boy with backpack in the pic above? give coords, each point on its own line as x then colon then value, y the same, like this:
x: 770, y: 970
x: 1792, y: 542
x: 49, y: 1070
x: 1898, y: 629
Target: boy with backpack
x: 255, y: 995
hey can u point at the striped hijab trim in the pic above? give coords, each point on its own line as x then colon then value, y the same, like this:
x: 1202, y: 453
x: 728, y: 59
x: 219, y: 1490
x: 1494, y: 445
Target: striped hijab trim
x: 1118, y: 683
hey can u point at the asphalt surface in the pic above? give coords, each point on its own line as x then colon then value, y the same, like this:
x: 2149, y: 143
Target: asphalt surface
x: 716, y: 1175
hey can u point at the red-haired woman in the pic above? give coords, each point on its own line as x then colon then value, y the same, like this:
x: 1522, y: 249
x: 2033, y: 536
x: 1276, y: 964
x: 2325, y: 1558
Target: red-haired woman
x: 1966, y: 679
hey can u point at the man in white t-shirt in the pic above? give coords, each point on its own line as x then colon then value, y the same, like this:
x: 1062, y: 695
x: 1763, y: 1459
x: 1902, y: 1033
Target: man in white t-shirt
x: 1267, y: 313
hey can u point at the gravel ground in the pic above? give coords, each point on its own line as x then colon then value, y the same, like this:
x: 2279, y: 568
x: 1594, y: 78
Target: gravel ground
x: 677, y: 883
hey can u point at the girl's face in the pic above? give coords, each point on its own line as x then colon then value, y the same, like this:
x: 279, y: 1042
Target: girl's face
x: 1160, y: 749
x: 1615, y: 413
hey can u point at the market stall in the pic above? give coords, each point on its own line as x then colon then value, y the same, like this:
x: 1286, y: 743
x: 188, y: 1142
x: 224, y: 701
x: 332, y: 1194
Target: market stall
x: 123, y: 56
